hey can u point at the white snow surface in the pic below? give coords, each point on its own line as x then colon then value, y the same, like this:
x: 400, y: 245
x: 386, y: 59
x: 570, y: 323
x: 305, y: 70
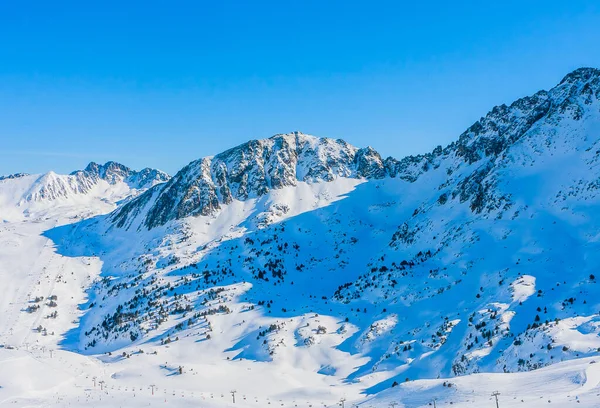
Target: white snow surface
x: 470, y: 270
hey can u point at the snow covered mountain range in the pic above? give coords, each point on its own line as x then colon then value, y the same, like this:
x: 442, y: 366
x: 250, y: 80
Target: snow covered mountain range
x: 307, y: 256
x: 101, y: 181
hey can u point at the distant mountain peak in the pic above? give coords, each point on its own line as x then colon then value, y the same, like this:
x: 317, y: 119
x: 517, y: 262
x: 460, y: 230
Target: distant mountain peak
x: 52, y: 186
x: 111, y: 171
x: 114, y: 172
x: 13, y: 176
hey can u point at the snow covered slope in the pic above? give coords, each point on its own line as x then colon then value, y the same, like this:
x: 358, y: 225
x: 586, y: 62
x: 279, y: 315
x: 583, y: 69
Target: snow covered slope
x: 304, y: 269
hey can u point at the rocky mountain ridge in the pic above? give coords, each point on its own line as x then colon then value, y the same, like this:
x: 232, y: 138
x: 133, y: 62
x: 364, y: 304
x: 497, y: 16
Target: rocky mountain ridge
x: 259, y: 166
x: 114, y: 172
x: 53, y: 186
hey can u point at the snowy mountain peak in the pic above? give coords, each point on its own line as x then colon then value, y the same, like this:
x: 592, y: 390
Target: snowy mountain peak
x: 110, y: 171
x: 13, y: 176
x: 51, y: 186
x: 114, y: 172
x: 109, y: 182
x: 251, y: 170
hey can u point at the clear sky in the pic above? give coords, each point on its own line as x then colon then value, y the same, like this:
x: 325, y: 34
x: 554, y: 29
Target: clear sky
x: 159, y: 84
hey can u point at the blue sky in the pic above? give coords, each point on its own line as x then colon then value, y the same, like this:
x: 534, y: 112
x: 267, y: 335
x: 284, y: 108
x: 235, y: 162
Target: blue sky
x: 162, y: 83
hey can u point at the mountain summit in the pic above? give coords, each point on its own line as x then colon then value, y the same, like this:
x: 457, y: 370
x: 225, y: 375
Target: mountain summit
x: 252, y: 170
x: 52, y: 186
